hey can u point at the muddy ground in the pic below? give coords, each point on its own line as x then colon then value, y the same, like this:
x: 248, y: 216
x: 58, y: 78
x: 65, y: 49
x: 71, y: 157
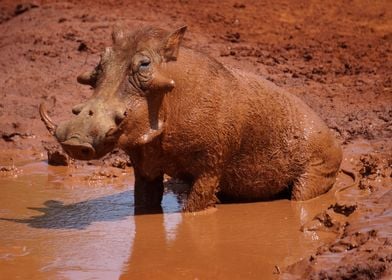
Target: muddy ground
x: 336, y: 56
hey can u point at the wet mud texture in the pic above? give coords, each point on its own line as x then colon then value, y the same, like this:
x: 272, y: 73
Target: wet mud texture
x: 362, y: 219
x: 336, y: 56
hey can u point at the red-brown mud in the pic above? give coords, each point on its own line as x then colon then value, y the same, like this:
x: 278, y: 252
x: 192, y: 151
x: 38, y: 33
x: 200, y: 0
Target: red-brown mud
x: 362, y: 220
x: 336, y: 56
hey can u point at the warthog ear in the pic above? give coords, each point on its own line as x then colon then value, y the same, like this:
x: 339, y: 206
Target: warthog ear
x: 172, y: 44
x: 118, y: 34
x: 88, y: 78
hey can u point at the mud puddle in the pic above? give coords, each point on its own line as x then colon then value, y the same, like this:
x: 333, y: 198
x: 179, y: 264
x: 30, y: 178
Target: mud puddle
x: 78, y: 223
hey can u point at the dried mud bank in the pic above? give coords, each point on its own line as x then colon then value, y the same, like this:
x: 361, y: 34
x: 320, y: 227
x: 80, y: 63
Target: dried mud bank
x: 335, y: 56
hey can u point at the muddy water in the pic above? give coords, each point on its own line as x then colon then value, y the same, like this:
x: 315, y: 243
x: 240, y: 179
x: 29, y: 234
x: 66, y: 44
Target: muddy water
x: 63, y: 223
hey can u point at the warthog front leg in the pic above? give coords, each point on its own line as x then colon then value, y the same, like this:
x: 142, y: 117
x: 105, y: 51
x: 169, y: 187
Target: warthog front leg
x: 148, y: 194
x: 202, y: 194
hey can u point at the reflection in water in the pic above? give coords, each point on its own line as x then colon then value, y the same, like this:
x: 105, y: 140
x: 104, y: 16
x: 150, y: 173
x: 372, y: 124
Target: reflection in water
x: 239, y: 241
x: 100, y: 238
x: 171, y: 220
x: 90, y: 239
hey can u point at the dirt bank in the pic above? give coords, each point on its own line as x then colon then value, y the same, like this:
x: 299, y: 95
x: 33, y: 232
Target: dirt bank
x: 335, y: 56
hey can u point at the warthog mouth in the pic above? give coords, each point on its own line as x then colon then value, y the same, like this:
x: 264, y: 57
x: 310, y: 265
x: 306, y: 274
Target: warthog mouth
x: 77, y: 149
x: 73, y: 145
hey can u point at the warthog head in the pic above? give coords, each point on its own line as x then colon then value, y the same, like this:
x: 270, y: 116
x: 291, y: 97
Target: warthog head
x: 129, y: 83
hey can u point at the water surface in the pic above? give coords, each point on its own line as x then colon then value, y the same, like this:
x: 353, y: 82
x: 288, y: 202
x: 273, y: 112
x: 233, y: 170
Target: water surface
x: 67, y: 223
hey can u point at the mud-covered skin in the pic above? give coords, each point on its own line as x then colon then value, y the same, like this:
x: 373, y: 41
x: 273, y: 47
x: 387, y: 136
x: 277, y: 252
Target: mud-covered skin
x: 188, y: 116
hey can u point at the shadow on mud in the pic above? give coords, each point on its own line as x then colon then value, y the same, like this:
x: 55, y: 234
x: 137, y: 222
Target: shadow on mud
x: 58, y: 215
x: 115, y: 207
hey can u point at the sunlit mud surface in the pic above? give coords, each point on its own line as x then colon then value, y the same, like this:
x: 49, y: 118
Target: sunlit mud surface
x: 67, y: 223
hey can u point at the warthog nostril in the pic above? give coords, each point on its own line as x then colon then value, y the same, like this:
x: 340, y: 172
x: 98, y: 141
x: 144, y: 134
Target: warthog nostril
x: 90, y: 113
x: 118, y: 118
x: 77, y: 109
x: 86, y: 152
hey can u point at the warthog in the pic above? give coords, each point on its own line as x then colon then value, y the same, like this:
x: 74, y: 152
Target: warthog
x: 176, y: 111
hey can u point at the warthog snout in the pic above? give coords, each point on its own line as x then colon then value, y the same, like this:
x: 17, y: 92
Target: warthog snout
x: 76, y: 149
x: 91, y: 133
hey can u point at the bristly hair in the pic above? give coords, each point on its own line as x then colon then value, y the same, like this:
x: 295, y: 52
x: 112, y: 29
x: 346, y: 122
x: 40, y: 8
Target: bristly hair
x: 149, y: 32
x: 140, y: 34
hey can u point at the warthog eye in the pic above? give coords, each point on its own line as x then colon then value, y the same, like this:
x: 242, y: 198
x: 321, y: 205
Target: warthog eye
x: 144, y: 64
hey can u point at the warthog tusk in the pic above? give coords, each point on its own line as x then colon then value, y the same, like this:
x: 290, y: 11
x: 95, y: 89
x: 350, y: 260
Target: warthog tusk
x: 46, y: 119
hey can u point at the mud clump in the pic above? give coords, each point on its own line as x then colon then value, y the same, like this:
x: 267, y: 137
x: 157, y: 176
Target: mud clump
x: 14, y: 131
x: 369, y: 165
x: 56, y: 155
x: 102, y: 175
x: 9, y: 171
x: 351, y: 242
x: 117, y: 158
x: 343, y: 209
x: 327, y: 221
x: 333, y: 219
x: 9, y: 11
x: 372, y: 169
x: 25, y: 7
x: 82, y: 47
